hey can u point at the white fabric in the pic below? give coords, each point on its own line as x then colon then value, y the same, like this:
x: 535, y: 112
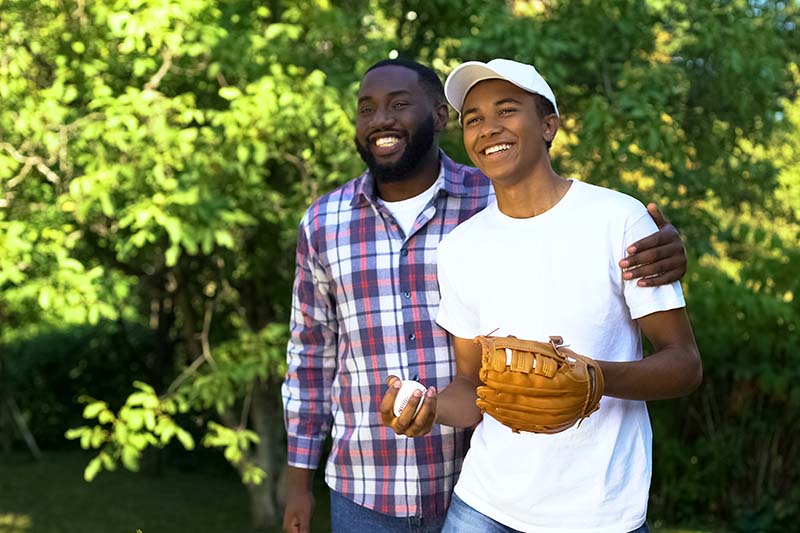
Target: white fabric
x: 557, y: 274
x: 467, y: 75
x: 405, y: 212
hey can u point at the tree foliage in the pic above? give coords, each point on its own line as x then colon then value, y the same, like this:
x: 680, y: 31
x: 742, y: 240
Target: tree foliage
x: 156, y: 156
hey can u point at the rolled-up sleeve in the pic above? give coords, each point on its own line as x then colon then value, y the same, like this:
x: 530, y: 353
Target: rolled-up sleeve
x: 311, y: 358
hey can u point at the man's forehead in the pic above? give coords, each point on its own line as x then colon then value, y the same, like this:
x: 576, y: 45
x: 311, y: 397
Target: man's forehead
x: 389, y: 79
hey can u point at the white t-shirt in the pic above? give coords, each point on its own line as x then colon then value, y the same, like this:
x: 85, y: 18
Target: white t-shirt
x: 405, y: 212
x: 557, y: 274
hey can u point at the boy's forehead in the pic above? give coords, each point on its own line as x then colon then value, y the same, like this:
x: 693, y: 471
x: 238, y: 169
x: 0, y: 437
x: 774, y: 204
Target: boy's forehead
x: 492, y: 90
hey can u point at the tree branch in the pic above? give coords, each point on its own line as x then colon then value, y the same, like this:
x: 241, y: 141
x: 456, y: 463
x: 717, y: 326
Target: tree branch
x: 248, y: 399
x: 28, y: 162
x: 155, y: 81
x: 204, y: 334
x: 80, y: 13
x: 197, y: 363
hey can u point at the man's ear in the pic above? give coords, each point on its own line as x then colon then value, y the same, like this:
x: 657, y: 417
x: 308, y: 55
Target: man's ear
x: 550, y: 125
x: 441, y: 115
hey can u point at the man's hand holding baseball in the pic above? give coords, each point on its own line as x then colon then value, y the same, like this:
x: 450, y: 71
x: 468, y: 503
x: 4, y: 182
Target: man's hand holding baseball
x: 408, y: 424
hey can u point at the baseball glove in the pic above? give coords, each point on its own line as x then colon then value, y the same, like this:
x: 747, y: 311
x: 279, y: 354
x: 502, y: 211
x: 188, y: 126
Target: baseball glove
x: 537, y: 386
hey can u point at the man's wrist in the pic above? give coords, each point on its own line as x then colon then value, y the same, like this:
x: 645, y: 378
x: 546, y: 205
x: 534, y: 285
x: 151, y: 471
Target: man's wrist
x: 299, y: 478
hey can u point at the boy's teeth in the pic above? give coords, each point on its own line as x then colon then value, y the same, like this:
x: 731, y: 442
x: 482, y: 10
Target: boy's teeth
x: 383, y: 142
x: 497, y: 148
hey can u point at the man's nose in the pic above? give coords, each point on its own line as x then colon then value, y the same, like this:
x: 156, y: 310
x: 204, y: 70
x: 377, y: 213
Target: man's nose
x: 382, y: 118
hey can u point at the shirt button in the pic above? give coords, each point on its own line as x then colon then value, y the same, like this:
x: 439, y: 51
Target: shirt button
x: 404, y: 252
x: 406, y: 294
x: 412, y: 337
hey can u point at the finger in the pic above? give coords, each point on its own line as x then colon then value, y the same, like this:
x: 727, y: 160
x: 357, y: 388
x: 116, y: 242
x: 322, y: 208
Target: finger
x: 402, y: 422
x: 656, y: 215
x: 387, y: 403
x: 655, y: 268
x: 422, y: 423
x: 662, y: 278
x: 670, y: 248
x: 653, y: 255
x: 391, y: 379
x: 304, y: 523
x: 292, y: 525
x: 665, y: 235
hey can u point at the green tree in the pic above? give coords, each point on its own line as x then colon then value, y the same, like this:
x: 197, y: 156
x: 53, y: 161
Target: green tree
x: 156, y: 156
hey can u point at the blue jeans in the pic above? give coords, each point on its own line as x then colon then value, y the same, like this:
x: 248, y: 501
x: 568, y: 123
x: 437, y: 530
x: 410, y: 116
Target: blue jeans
x: 348, y: 517
x: 461, y: 518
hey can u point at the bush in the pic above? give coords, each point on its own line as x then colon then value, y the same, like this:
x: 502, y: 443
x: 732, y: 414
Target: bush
x: 48, y: 372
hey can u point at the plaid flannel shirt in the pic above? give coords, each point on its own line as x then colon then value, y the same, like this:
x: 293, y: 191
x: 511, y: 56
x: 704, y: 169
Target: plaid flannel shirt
x: 364, y: 303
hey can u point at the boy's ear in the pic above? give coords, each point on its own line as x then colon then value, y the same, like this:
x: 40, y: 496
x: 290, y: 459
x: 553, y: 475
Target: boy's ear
x: 550, y: 125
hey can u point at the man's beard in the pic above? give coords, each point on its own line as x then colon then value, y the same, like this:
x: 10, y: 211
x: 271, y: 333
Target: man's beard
x: 418, y: 146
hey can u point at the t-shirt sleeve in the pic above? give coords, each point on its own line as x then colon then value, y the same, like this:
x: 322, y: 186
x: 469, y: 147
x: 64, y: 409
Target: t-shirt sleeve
x: 455, y: 314
x: 643, y: 301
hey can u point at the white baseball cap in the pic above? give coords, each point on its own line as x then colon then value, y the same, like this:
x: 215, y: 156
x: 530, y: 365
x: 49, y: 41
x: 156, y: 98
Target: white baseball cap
x: 466, y: 75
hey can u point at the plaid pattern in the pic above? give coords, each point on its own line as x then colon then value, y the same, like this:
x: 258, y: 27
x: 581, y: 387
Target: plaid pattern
x: 364, y: 303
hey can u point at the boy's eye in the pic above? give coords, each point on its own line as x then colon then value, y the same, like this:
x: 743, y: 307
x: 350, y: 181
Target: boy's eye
x: 470, y: 121
x: 400, y: 105
x: 507, y: 111
x: 364, y: 110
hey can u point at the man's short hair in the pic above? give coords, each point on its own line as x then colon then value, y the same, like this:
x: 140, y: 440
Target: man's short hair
x: 427, y: 77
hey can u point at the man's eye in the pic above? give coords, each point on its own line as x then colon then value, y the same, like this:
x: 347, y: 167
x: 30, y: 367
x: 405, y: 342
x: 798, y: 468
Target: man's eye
x: 400, y: 105
x: 470, y: 121
x: 365, y: 111
x: 507, y: 111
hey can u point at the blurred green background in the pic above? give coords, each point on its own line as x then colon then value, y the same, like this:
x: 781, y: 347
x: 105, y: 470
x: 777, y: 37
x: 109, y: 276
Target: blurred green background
x: 156, y: 157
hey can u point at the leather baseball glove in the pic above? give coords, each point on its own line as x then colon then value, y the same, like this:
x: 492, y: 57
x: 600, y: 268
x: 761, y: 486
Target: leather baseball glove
x: 537, y: 386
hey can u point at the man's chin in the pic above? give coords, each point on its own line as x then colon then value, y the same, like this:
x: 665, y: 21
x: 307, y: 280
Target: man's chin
x: 386, y: 171
x: 388, y: 162
x: 389, y: 173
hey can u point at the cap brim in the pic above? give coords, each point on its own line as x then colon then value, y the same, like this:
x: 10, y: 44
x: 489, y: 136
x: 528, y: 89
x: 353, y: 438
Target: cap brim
x: 463, y: 78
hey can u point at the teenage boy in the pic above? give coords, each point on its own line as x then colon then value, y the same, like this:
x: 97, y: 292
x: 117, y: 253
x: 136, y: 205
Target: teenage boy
x: 542, y: 261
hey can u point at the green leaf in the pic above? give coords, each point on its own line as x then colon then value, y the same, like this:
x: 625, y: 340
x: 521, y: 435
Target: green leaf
x: 230, y: 93
x: 185, y: 438
x: 92, y: 469
x: 94, y: 409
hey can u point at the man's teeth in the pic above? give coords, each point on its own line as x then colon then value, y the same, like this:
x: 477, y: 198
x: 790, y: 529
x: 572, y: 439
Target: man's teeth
x: 497, y: 148
x: 383, y: 142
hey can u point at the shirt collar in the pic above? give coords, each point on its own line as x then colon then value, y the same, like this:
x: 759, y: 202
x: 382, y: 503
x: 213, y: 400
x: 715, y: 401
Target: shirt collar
x: 451, y: 175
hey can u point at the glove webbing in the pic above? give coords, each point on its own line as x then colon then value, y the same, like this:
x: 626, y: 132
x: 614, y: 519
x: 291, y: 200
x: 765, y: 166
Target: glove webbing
x: 526, y: 356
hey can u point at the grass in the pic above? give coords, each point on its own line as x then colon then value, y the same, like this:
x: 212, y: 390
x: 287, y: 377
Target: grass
x: 50, y: 496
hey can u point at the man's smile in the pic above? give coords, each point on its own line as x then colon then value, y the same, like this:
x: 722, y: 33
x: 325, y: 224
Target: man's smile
x: 386, y: 144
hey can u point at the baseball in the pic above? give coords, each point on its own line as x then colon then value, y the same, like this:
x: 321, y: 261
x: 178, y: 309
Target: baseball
x: 404, y: 395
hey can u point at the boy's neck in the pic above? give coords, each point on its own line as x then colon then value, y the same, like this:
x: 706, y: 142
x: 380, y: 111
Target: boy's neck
x: 532, y: 196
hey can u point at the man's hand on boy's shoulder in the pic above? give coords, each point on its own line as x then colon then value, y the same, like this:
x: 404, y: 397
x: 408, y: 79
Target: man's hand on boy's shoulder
x: 658, y: 259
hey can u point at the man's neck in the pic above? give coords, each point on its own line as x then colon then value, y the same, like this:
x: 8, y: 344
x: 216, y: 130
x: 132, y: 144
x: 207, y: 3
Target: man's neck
x: 423, y: 178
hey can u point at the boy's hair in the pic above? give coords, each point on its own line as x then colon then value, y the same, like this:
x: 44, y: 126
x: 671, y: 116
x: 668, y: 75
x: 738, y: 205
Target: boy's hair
x: 427, y: 77
x: 544, y: 107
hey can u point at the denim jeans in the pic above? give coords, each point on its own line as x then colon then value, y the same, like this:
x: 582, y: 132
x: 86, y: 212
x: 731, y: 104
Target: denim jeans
x: 349, y: 517
x: 461, y: 518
